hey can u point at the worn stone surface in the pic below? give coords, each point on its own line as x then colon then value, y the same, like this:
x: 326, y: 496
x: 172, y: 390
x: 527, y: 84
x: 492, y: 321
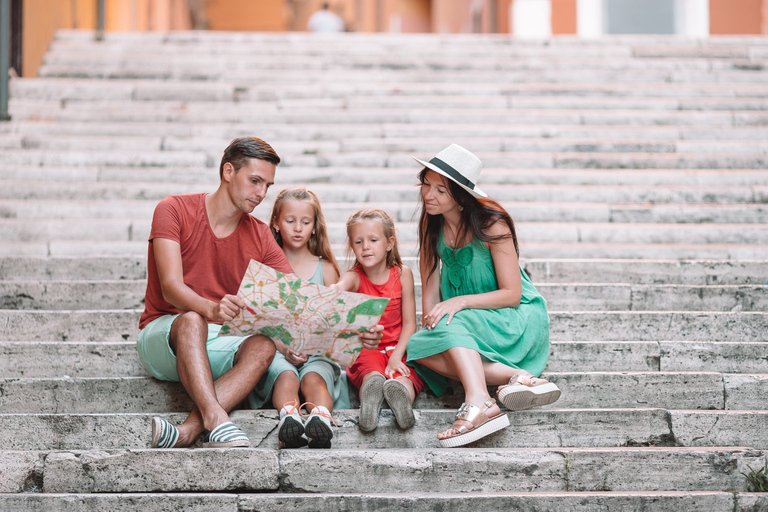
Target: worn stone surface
x: 389, y: 502
x: 19, y: 472
x: 720, y: 428
x: 745, y: 391
x: 727, y: 357
x: 660, y: 469
x: 162, y: 470
x: 414, y: 470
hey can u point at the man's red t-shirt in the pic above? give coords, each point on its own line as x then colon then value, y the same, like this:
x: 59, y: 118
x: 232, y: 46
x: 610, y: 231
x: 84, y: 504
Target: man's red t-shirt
x: 213, y: 267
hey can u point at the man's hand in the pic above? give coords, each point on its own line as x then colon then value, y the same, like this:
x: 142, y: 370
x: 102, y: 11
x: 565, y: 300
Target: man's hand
x: 226, y: 309
x: 371, y: 339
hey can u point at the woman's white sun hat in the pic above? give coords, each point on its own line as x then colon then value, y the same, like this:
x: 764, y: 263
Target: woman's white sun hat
x: 459, y: 165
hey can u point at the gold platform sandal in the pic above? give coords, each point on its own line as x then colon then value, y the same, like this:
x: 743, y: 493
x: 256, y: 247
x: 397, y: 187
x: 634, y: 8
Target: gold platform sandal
x: 482, y: 425
x: 526, y: 391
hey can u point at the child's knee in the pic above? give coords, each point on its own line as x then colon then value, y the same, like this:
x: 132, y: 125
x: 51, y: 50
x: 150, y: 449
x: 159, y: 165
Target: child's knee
x: 311, y: 381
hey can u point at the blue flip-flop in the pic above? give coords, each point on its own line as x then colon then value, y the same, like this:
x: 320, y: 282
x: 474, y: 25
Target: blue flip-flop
x: 164, y: 435
x: 226, y: 435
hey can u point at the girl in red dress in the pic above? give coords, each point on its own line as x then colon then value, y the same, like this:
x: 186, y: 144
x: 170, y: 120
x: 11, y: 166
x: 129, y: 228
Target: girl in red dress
x: 382, y: 374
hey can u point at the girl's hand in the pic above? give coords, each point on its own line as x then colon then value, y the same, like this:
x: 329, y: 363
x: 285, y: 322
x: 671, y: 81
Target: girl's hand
x: 396, y: 365
x: 370, y: 339
x: 448, y: 307
x: 294, y: 358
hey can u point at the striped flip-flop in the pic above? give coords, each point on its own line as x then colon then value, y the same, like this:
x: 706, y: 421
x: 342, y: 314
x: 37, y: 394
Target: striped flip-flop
x: 164, y: 435
x: 226, y: 435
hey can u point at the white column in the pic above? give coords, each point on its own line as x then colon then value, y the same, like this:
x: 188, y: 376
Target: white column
x: 532, y: 18
x: 590, y: 17
x: 692, y: 18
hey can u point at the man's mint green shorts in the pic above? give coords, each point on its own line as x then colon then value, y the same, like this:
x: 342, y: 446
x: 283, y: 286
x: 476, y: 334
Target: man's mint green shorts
x: 159, y: 360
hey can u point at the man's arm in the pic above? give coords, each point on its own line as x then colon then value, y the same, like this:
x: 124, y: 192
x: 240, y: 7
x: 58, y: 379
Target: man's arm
x: 176, y: 292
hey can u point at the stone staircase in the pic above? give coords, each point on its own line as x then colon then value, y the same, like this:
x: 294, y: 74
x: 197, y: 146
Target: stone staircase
x: 635, y: 169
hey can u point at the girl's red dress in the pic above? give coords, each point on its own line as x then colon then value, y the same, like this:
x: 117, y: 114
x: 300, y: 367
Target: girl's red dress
x: 392, y: 320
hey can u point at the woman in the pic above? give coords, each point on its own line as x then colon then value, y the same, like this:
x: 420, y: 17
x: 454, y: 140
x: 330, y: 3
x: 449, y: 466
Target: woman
x: 484, y: 323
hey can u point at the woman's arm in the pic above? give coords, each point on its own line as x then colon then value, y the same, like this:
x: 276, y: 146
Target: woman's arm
x: 507, y: 268
x: 430, y: 288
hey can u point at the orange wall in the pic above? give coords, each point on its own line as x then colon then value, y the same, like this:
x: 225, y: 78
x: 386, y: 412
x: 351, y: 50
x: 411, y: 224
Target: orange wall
x: 738, y: 16
x: 41, y: 20
x: 262, y: 15
x: 564, y: 17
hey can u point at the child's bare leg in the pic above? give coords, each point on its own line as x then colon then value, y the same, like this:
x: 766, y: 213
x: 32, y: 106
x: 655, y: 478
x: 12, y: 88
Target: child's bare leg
x: 286, y: 389
x: 315, y: 390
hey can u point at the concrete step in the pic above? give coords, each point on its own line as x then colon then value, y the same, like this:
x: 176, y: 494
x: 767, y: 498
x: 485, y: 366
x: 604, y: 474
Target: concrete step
x: 740, y: 73
x: 399, y: 62
x: 150, y: 90
x: 421, y: 146
x: 41, y: 359
x: 270, y: 113
x: 120, y: 325
x: 415, y: 128
x: 538, y: 250
x: 553, y: 428
x: 371, y: 471
x: 680, y: 213
x: 125, y: 294
x: 314, y: 176
x: 661, y: 501
x: 381, y: 193
x: 120, y: 230
x: 633, y: 271
x: 669, y: 390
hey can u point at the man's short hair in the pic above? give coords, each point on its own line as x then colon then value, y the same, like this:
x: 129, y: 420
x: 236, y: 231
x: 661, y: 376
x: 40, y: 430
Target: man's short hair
x: 242, y: 148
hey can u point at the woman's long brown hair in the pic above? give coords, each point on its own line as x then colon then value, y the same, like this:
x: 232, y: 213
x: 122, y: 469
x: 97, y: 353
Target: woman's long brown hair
x: 476, y: 217
x: 318, y: 244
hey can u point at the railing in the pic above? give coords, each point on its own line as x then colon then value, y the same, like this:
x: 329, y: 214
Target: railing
x: 100, y: 10
x: 5, y: 53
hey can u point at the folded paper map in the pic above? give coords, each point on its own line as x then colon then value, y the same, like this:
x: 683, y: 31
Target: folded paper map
x: 309, y: 318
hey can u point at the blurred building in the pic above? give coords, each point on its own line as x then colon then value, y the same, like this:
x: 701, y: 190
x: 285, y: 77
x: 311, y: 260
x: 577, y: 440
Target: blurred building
x: 35, y: 21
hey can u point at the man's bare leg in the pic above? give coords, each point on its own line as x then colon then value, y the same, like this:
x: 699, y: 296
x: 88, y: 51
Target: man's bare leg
x: 213, y: 400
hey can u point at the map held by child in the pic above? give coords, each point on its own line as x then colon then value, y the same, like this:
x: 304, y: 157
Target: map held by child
x: 309, y: 318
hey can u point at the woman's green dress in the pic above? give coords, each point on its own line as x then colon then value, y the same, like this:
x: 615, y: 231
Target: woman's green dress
x: 517, y: 337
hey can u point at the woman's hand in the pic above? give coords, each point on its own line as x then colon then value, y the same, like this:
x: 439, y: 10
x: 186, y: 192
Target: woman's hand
x: 448, y: 307
x: 295, y: 358
x: 371, y: 339
x: 396, y: 365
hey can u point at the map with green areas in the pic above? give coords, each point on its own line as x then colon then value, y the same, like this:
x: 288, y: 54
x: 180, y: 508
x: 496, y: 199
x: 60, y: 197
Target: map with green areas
x: 310, y: 318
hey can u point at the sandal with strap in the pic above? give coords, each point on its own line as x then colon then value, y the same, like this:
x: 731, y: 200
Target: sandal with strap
x: 522, y: 392
x: 482, y: 425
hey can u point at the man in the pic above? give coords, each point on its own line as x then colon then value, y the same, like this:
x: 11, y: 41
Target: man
x: 199, y: 248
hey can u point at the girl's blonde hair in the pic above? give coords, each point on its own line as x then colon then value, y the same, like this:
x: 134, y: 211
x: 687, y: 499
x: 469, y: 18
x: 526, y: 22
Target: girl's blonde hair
x: 387, y: 224
x: 318, y: 244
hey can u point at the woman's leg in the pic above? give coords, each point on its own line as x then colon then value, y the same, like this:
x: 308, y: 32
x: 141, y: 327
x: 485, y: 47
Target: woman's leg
x: 496, y: 374
x: 468, y: 365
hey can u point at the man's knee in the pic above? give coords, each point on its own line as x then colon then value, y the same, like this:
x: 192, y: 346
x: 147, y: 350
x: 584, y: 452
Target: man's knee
x: 258, y: 347
x: 188, y: 327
